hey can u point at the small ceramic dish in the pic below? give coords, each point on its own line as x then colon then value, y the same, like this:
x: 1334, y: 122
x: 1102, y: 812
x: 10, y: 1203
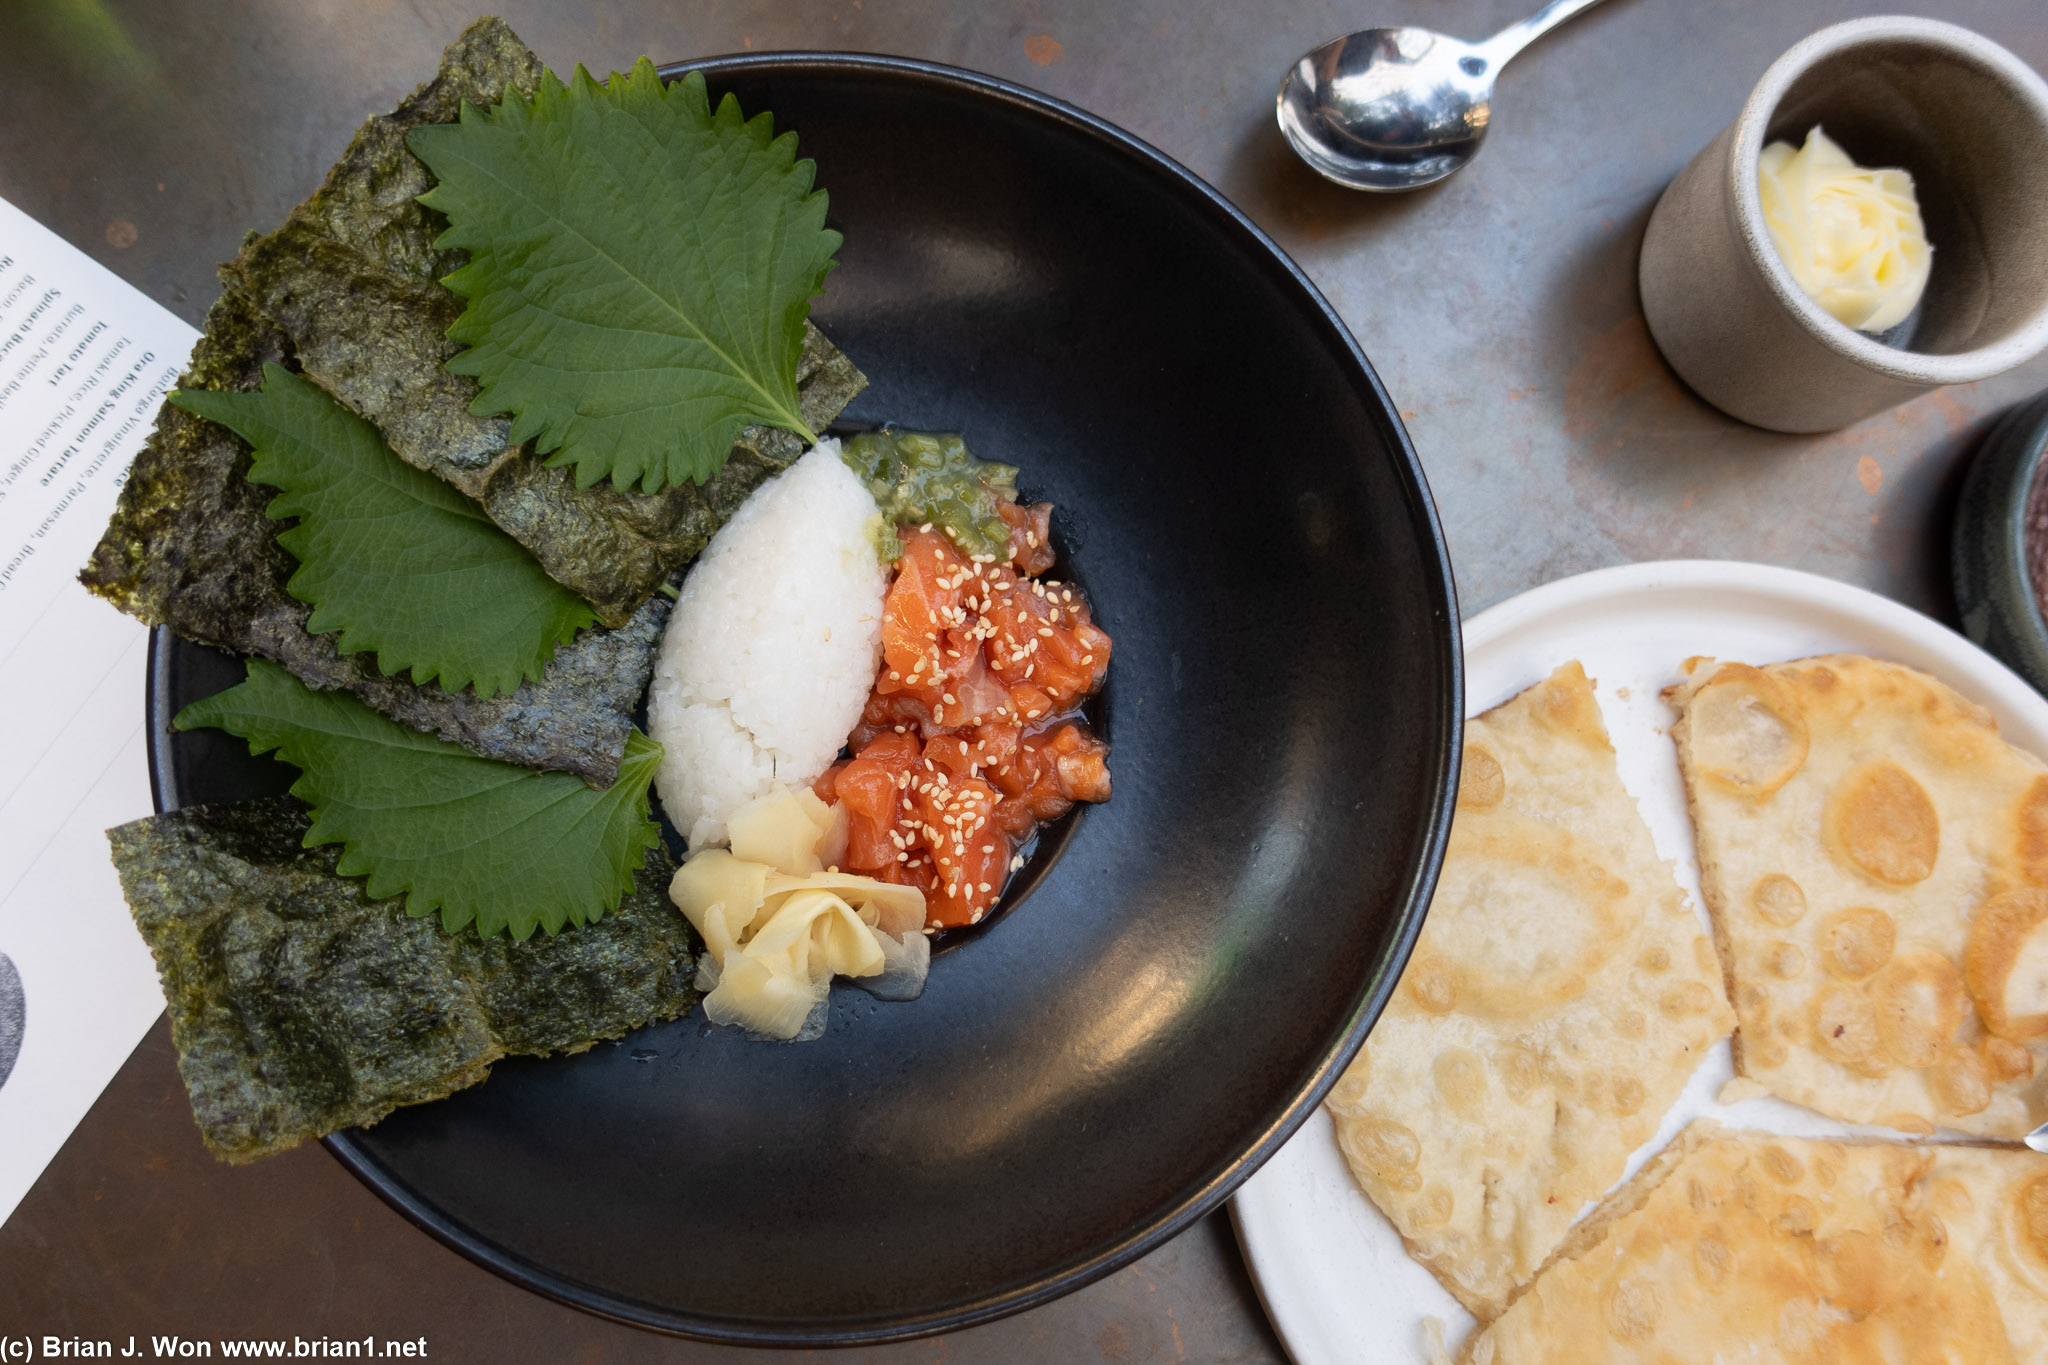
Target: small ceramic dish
x: 1994, y: 588
x: 1969, y: 121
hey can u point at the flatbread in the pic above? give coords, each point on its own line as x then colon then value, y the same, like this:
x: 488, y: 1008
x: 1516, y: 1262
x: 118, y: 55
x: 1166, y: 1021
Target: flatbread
x: 1742, y: 1247
x: 1874, y: 857
x: 1559, y: 997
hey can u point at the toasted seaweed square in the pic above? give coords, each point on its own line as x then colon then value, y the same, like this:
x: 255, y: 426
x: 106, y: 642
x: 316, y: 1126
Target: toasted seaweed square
x: 299, y: 1005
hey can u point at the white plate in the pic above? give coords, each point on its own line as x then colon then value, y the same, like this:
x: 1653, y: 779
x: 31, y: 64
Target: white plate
x: 1331, y: 1270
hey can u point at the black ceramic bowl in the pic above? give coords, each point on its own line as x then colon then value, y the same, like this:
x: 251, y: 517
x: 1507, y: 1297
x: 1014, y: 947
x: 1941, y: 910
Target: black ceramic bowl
x: 1988, y: 550
x: 1194, y: 961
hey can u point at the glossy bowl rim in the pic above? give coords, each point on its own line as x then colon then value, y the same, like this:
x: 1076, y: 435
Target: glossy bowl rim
x: 1170, y: 1219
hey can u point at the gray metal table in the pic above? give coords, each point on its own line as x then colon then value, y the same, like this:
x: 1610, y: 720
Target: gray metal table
x: 1500, y: 309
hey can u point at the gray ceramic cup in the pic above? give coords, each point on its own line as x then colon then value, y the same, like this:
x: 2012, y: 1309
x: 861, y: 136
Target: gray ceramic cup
x: 1969, y: 120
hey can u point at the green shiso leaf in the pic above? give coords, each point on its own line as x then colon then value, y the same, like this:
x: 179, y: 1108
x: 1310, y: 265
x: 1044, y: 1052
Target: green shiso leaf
x: 503, y: 846
x: 640, y: 270
x: 391, y: 558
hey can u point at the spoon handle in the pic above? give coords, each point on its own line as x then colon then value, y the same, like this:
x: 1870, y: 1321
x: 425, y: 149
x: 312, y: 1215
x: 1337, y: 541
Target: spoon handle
x: 1502, y: 46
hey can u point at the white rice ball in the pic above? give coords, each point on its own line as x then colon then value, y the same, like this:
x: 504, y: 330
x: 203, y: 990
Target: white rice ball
x: 772, y: 647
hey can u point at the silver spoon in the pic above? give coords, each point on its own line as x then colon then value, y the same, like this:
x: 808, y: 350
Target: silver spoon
x: 2038, y: 1139
x: 1400, y: 108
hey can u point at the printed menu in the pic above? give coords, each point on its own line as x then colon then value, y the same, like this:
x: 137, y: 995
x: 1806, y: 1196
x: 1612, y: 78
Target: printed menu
x: 84, y: 360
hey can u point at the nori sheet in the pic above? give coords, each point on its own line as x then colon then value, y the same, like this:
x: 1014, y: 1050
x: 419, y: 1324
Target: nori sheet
x: 347, y: 292
x: 189, y: 547
x: 300, y: 1006
x: 352, y: 280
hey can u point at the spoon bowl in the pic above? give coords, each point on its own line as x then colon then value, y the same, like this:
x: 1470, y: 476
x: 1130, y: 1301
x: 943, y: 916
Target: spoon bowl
x: 1390, y: 109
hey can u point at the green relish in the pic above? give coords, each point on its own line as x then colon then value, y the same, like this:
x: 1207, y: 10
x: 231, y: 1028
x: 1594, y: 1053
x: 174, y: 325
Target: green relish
x: 931, y: 476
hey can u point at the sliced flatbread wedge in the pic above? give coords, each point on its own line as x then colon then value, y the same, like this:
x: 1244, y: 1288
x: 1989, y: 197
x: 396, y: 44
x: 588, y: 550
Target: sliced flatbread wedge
x: 1742, y: 1247
x: 1561, y: 993
x: 1874, y: 857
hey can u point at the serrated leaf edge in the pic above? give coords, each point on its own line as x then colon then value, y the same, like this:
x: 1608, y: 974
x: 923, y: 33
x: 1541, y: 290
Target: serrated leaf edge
x: 638, y: 766
x: 286, y: 505
x: 548, y: 436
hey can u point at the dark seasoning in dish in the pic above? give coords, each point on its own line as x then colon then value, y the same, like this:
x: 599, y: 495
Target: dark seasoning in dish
x: 2036, y: 533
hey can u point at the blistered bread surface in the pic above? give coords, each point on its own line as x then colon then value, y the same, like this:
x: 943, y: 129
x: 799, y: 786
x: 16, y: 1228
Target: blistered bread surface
x: 1742, y: 1247
x: 1559, y: 997
x: 1875, y: 858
